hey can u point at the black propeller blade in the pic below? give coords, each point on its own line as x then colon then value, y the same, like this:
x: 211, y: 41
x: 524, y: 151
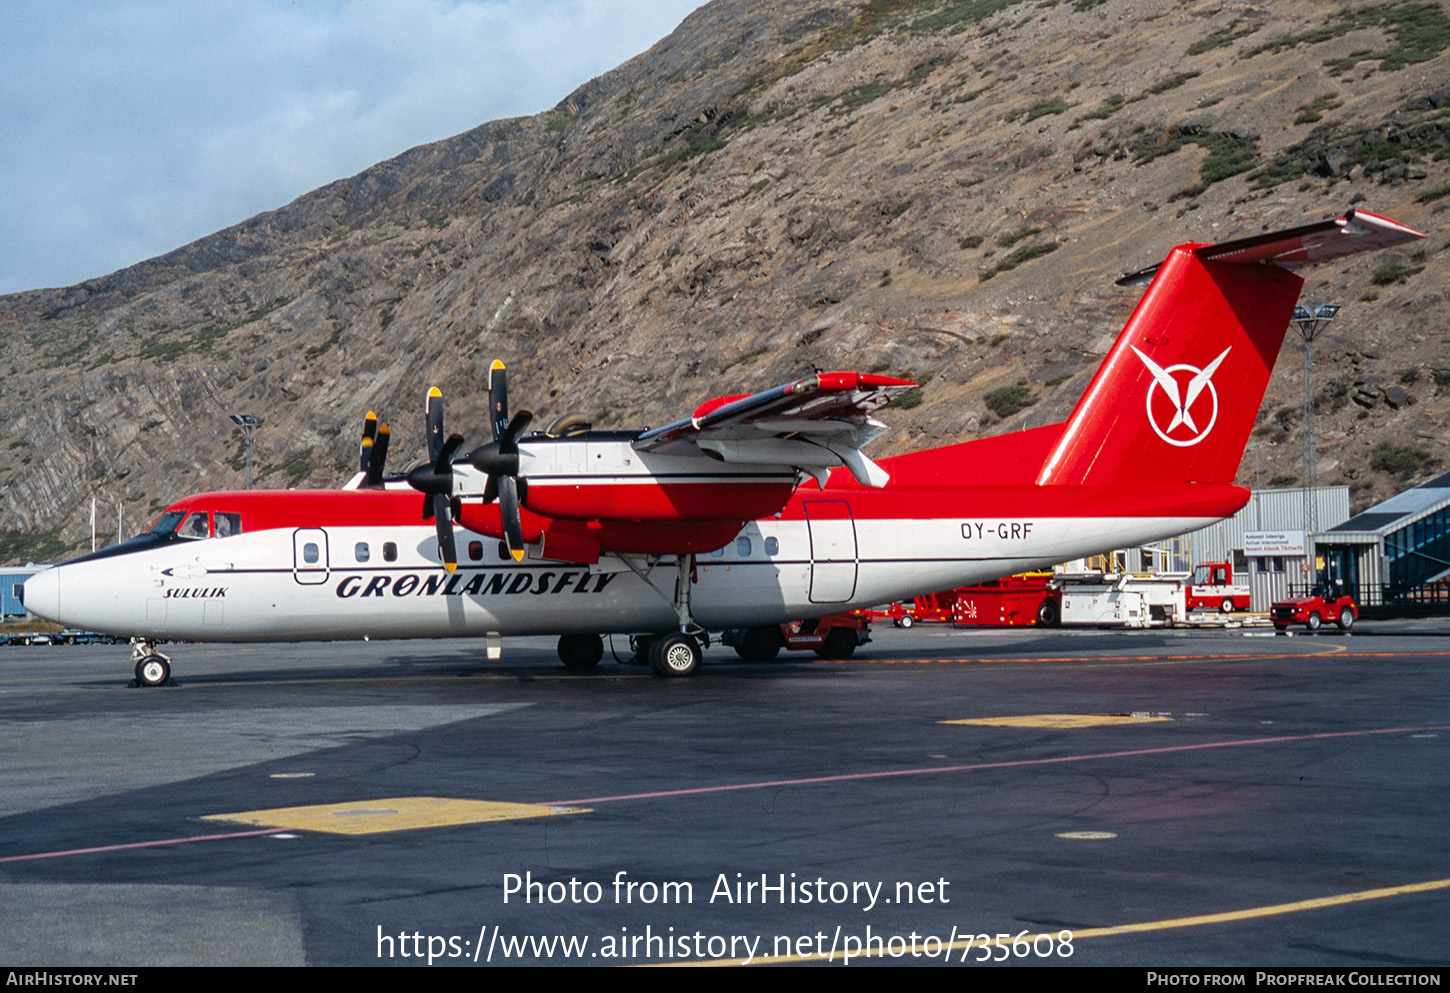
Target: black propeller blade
x: 379, y: 456
x: 434, y: 479
x: 373, y: 451
x: 370, y: 432
x: 500, y: 460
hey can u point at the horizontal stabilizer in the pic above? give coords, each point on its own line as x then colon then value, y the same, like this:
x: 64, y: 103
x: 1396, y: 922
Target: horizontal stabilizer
x: 1356, y: 231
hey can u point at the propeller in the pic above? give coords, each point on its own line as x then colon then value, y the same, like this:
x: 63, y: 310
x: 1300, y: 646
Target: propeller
x: 500, y: 460
x: 373, y: 453
x: 434, y: 479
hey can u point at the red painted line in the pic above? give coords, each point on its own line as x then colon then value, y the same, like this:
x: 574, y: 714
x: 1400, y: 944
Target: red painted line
x: 158, y: 843
x: 1305, y: 655
x: 982, y: 766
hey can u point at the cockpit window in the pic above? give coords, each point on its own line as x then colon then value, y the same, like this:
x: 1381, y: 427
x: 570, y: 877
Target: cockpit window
x: 167, y: 522
x: 195, y: 526
x: 227, y: 524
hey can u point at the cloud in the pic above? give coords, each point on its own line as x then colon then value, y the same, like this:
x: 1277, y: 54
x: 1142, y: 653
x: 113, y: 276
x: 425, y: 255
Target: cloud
x: 134, y: 127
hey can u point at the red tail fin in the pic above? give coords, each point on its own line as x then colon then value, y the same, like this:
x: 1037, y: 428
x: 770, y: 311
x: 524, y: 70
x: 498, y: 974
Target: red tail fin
x: 1177, y: 396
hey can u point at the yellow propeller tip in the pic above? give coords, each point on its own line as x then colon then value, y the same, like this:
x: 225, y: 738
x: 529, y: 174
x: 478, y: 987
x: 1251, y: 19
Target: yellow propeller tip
x: 497, y: 364
x: 517, y: 553
x: 434, y: 391
x: 451, y: 566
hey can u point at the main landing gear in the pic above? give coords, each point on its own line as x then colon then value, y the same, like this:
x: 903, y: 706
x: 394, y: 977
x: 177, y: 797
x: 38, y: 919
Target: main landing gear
x: 673, y: 653
x: 152, y: 668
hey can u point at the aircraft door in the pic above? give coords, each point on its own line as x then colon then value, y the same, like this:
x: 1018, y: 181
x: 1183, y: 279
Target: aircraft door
x: 833, y: 550
x: 309, y: 556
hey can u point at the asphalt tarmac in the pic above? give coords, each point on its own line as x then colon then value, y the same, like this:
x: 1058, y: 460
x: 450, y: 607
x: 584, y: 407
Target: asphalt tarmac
x: 1097, y: 797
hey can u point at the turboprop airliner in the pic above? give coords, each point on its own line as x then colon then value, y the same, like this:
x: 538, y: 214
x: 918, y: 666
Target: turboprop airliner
x: 752, y: 511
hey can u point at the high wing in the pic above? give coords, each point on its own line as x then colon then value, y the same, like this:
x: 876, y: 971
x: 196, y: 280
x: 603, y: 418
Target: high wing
x: 813, y: 424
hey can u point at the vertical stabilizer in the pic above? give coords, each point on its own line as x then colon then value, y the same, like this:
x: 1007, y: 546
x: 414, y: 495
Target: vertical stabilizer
x: 1177, y: 396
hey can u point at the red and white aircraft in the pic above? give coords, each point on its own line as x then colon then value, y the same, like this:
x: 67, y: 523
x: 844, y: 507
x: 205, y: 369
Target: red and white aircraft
x: 752, y: 511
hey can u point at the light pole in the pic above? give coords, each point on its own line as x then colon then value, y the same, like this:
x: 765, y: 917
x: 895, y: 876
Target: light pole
x: 1310, y: 323
x: 247, y: 422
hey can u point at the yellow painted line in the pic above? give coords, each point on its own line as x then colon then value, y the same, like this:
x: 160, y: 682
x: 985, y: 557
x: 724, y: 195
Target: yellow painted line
x: 1250, y: 913
x: 1060, y: 720
x: 404, y: 813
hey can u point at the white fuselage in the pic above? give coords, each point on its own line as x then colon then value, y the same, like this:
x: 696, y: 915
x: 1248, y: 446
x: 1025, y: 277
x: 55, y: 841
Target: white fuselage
x: 260, y: 586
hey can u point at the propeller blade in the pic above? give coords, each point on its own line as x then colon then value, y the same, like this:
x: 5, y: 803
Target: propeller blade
x: 370, y: 431
x: 433, y: 422
x: 513, y: 526
x: 379, y: 457
x: 498, y: 398
x: 443, y: 461
x: 447, y: 549
x: 508, y: 442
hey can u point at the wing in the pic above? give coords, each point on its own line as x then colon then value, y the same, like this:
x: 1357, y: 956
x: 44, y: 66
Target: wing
x: 812, y: 424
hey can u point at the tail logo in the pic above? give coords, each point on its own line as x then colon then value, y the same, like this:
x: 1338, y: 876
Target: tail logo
x: 1187, y: 399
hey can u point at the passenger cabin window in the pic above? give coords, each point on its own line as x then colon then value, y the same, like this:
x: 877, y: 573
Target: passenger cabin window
x: 742, y: 546
x: 310, y: 554
x: 772, y: 547
x: 475, y: 551
x: 718, y: 553
x: 360, y: 551
x: 390, y: 552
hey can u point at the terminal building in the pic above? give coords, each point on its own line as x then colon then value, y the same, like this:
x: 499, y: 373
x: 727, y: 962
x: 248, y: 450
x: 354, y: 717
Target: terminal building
x: 1397, y: 553
x: 1393, y: 557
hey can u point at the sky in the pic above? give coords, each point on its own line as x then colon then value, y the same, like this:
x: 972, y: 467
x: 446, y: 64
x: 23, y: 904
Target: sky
x: 132, y: 127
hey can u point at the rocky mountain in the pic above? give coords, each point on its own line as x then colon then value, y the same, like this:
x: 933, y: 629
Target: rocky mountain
x: 942, y: 189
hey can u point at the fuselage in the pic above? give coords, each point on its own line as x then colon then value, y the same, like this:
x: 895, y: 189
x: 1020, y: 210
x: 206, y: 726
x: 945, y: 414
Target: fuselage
x: 349, y: 564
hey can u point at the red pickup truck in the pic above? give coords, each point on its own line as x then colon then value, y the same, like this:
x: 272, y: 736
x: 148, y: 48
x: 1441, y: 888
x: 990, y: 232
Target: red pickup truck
x: 1322, y: 604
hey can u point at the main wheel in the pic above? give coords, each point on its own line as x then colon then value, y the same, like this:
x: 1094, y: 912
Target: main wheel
x: 580, y: 651
x: 1346, y: 618
x: 840, y: 643
x: 759, y: 644
x: 153, y: 670
x: 674, y: 655
x: 1227, y: 607
x: 1314, y: 621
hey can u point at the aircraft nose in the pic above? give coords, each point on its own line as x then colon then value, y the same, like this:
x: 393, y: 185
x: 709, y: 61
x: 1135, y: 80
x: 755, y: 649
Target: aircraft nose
x: 41, y: 594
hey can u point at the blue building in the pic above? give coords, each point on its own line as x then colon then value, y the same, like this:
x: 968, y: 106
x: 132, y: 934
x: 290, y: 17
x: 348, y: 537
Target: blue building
x: 1397, y: 551
x: 12, y: 577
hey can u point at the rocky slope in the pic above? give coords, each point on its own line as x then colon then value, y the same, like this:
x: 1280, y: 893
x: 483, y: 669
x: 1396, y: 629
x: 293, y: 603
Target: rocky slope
x: 938, y: 189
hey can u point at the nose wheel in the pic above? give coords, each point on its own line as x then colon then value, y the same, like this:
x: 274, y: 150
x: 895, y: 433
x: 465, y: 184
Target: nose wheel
x: 152, y: 668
